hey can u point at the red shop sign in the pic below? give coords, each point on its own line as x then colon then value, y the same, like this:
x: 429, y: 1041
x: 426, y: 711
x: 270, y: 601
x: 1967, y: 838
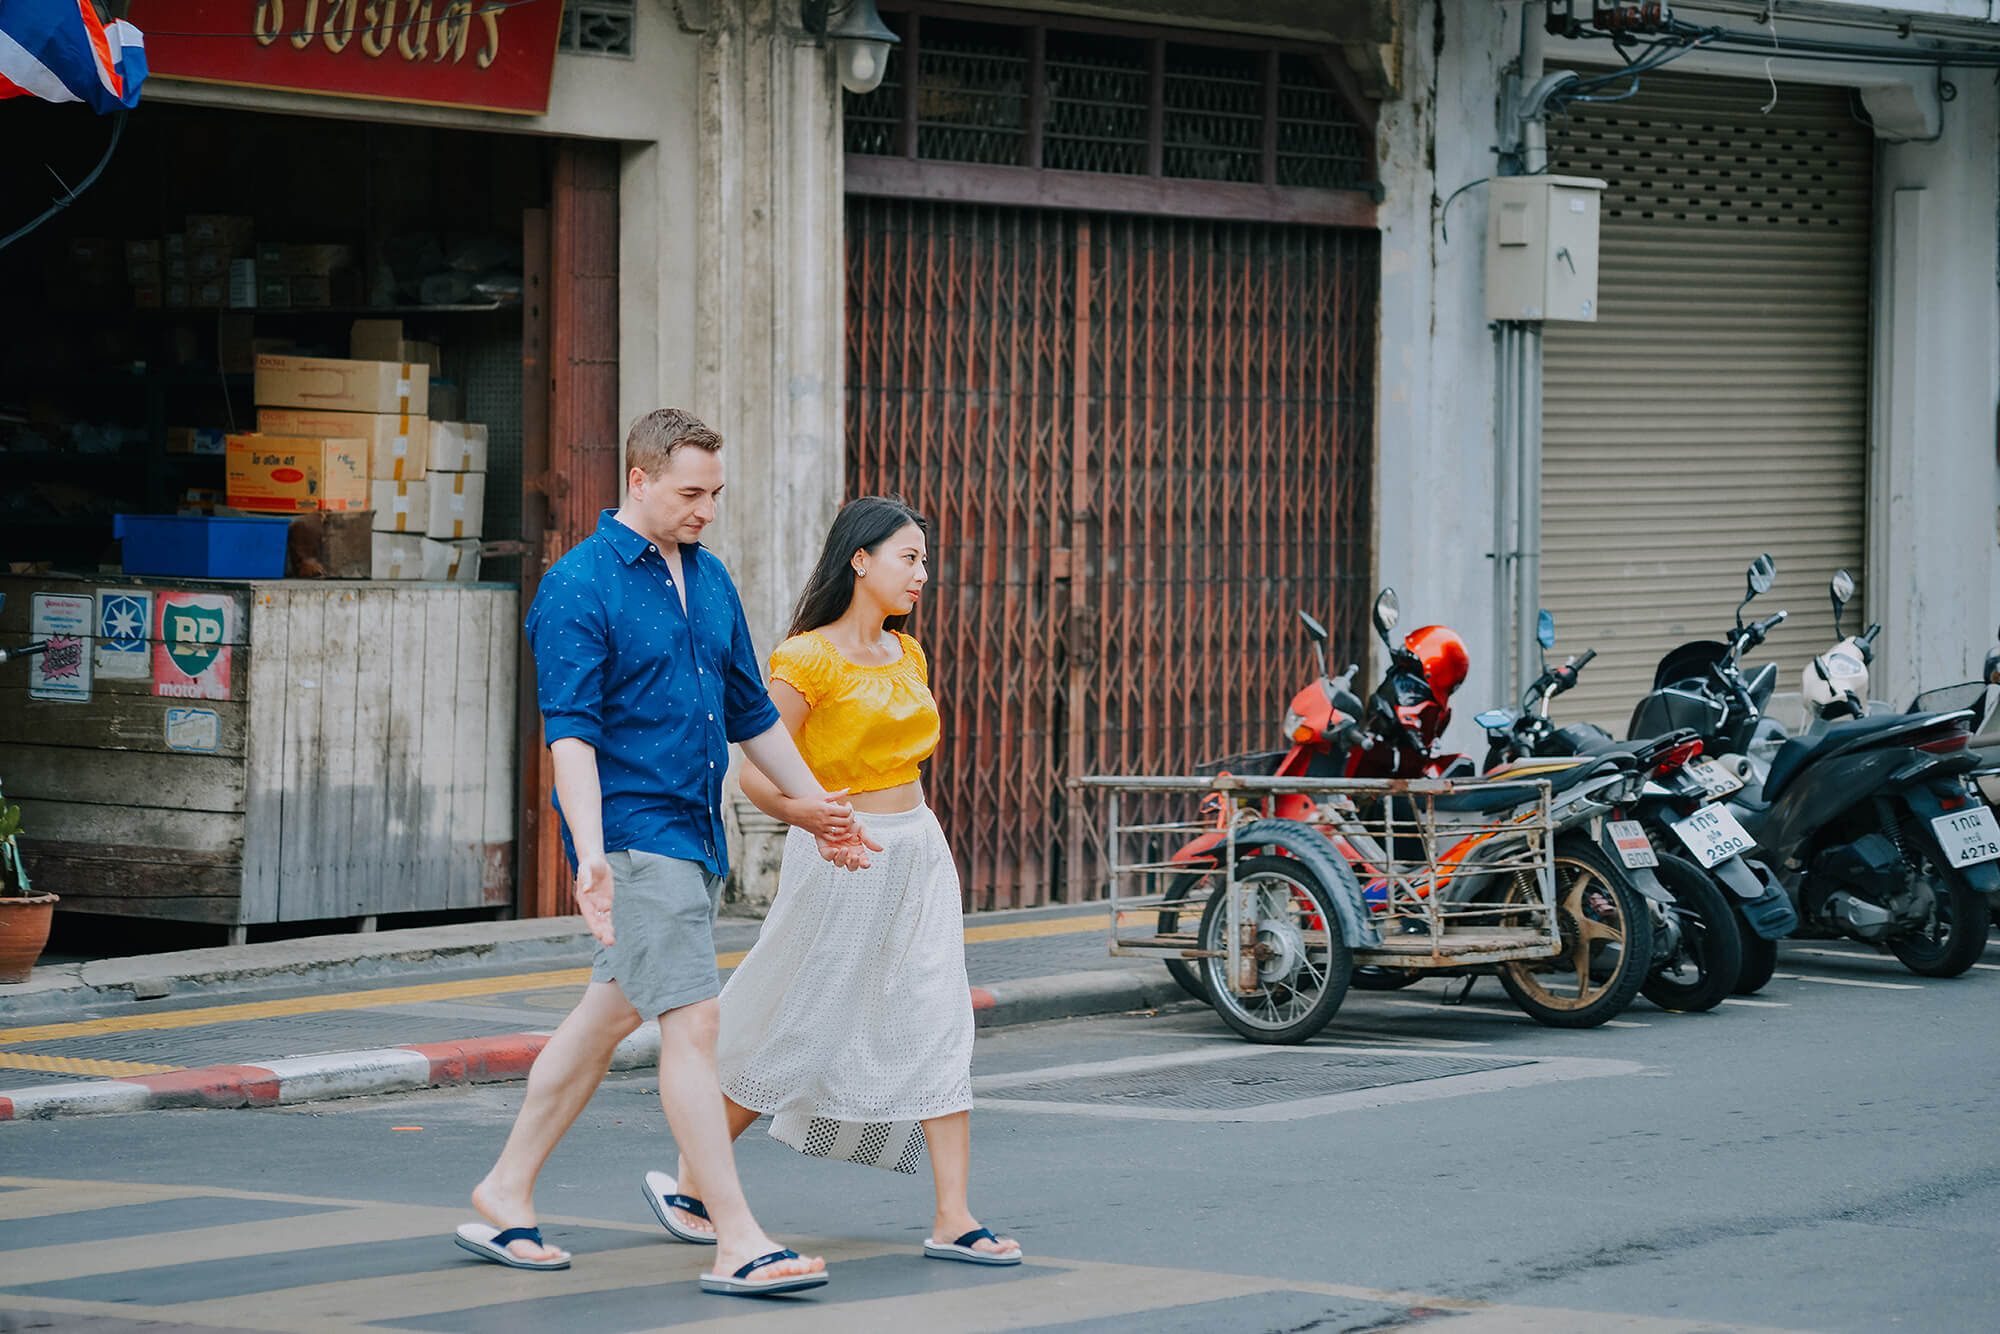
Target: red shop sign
x: 492, y: 55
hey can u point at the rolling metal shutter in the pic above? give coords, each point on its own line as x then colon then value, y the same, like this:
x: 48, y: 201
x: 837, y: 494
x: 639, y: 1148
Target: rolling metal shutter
x: 1719, y: 406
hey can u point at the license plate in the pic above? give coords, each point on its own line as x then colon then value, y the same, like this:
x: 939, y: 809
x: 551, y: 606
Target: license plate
x: 1717, y: 780
x: 1634, y: 848
x: 1714, y: 835
x: 1968, y: 836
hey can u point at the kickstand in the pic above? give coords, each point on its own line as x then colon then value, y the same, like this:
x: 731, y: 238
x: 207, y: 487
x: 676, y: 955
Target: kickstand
x: 1463, y: 992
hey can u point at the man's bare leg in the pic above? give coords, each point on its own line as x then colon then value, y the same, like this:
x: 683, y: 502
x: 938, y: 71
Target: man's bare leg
x: 950, y: 1142
x: 691, y: 1095
x: 560, y: 1085
x: 740, y: 1119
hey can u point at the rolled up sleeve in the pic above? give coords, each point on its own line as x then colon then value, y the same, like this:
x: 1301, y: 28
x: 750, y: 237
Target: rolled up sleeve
x: 570, y: 640
x: 747, y: 710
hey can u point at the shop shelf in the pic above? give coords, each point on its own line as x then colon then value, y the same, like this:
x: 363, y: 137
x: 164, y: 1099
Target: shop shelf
x: 199, y: 546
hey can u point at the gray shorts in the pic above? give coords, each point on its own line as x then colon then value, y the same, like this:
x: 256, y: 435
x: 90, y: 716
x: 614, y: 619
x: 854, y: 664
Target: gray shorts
x: 663, y: 923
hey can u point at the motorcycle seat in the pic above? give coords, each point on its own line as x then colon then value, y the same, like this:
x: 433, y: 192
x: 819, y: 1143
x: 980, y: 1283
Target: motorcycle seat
x: 1561, y: 774
x: 1796, y: 753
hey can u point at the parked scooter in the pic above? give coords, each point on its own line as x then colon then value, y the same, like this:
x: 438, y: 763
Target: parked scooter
x: 1701, y: 685
x: 1603, y: 880
x: 1877, y: 836
x: 1697, y: 940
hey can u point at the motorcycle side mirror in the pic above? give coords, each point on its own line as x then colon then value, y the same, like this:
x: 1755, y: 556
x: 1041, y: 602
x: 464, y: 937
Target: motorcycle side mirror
x: 1545, y: 628
x: 1387, y: 612
x: 1313, y: 627
x: 1317, y: 633
x: 1841, y: 586
x: 1763, y: 572
x: 1758, y: 579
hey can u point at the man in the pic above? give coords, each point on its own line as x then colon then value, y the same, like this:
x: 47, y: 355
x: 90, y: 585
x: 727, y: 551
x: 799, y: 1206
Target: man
x: 645, y: 673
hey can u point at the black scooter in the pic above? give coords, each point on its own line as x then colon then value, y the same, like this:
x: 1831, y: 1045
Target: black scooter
x: 1698, y: 942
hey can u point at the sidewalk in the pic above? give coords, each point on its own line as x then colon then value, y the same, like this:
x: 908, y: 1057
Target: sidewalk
x: 344, y: 1016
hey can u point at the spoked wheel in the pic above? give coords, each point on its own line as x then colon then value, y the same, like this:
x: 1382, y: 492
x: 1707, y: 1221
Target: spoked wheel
x: 1955, y: 936
x: 1301, y: 964
x: 1709, y: 952
x: 1191, y: 892
x: 1607, y: 942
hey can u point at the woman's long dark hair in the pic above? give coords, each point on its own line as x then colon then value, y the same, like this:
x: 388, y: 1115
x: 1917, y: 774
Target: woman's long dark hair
x: 862, y: 525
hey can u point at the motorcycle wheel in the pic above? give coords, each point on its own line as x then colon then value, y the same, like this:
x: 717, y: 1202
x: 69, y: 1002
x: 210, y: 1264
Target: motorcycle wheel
x: 1303, y: 977
x: 1383, y: 979
x: 1955, y: 936
x: 1760, y: 957
x: 1705, y: 968
x: 1186, y: 972
x: 1607, y: 942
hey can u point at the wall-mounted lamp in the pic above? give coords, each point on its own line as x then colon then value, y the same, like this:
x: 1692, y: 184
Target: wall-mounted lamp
x: 861, y: 40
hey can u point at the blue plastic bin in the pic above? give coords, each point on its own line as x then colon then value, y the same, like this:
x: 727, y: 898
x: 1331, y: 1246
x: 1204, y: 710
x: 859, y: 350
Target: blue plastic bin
x: 198, y: 546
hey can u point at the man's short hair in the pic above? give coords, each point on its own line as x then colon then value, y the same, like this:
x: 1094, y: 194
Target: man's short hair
x: 655, y: 437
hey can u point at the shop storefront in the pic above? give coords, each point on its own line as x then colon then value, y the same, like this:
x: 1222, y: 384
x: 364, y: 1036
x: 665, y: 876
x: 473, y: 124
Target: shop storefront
x: 365, y: 280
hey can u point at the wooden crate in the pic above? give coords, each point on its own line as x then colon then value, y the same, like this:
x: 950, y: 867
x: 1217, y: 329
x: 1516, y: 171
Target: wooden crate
x: 363, y: 760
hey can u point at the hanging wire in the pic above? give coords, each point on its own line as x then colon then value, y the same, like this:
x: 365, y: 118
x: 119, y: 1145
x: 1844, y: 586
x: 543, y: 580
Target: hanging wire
x: 70, y: 193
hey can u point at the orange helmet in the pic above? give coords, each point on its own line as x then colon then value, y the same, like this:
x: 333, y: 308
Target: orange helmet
x: 1443, y: 655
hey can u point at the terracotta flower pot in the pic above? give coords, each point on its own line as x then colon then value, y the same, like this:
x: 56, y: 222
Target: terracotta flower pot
x: 24, y: 929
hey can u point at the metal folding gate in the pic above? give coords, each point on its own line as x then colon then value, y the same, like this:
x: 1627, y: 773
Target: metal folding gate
x: 1143, y: 444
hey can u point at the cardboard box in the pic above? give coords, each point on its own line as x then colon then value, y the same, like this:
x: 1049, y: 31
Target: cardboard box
x: 173, y: 245
x: 458, y: 505
x: 330, y: 546
x: 396, y: 556
x: 382, y: 340
x: 148, y: 296
x: 341, y: 386
x: 397, y: 444
x: 456, y: 447
x: 231, y: 233
x: 176, y: 269
x: 242, y: 284
x: 273, y: 293
x: 311, y: 293
x: 196, y: 440
x: 211, y: 294
x: 207, y: 262
x: 146, y: 274
x: 286, y: 474
x: 289, y: 259
x: 451, y: 562
x: 179, y: 296
x: 400, y: 507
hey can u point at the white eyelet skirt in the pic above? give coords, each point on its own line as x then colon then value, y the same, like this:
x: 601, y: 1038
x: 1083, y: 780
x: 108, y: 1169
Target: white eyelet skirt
x: 850, y: 1020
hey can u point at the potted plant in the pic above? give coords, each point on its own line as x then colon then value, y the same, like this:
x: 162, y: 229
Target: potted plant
x: 25, y: 916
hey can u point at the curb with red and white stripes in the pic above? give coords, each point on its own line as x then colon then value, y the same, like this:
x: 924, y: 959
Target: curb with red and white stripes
x: 354, y: 1074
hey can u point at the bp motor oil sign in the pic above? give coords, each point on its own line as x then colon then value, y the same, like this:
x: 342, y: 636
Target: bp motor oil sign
x: 191, y: 655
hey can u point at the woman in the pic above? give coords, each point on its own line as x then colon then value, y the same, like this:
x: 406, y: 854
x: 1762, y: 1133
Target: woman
x: 850, y: 1021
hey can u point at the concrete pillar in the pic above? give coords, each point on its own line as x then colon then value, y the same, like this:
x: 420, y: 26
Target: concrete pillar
x: 1934, y: 490
x: 768, y: 325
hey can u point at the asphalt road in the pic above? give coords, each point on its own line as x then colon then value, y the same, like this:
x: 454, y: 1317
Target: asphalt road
x: 1825, y: 1159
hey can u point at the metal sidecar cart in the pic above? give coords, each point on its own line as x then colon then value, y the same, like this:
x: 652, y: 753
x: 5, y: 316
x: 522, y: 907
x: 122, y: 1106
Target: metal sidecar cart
x: 1270, y: 893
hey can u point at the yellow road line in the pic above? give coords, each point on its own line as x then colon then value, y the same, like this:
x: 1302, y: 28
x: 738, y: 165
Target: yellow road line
x: 75, y: 1065
x: 429, y: 991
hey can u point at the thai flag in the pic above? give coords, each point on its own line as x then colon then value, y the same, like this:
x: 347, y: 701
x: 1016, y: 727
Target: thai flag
x: 60, y: 51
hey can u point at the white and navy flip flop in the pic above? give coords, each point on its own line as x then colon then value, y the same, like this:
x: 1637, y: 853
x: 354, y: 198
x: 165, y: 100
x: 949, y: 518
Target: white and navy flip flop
x: 963, y: 1250
x: 490, y: 1243
x: 660, y: 1191
x: 741, y: 1284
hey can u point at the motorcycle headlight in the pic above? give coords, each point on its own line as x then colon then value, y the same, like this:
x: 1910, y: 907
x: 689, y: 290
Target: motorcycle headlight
x: 1297, y: 729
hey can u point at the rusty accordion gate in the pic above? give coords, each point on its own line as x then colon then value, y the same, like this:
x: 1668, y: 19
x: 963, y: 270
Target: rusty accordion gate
x: 1143, y: 445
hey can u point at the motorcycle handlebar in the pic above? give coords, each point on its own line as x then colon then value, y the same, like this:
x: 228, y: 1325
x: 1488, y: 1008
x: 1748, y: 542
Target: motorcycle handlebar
x: 1582, y: 662
x: 1770, y: 623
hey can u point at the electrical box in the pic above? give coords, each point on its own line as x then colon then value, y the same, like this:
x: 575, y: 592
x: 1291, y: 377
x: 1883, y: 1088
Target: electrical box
x: 1541, y: 248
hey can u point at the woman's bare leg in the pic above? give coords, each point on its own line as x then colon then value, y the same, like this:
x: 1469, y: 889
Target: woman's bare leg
x: 950, y: 1141
x: 740, y: 1119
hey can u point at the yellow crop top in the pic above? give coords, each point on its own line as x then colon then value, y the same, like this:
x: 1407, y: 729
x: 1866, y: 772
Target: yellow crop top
x: 870, y: 727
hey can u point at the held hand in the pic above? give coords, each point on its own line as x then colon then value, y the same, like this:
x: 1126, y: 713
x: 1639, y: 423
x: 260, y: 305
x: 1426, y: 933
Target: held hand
x: 851, y: 853
x: 593, y: 895
x: 828, y: 818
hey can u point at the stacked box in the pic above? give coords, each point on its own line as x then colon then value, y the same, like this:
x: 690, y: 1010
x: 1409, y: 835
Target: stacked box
x: 398, y: 442
x: 400, y: 507
x: 451, y: 562
x: 457, y: 458
x: 285, y: 474
x: 397, y: 556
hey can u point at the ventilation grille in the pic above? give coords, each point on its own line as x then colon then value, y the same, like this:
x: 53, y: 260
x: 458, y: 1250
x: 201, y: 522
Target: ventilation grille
x: 599, y: 28
x: 972, y: 95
